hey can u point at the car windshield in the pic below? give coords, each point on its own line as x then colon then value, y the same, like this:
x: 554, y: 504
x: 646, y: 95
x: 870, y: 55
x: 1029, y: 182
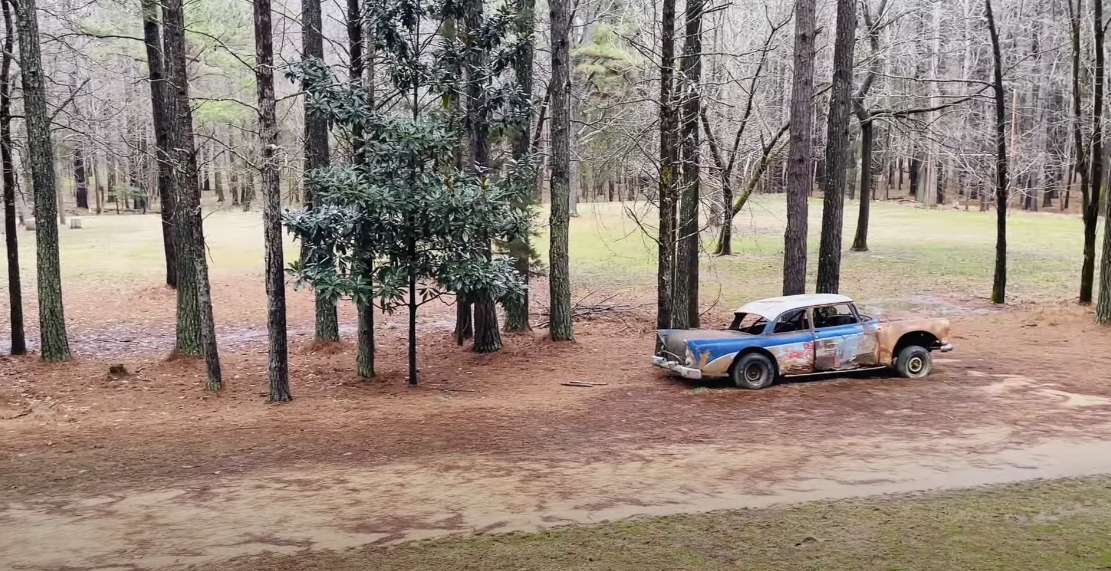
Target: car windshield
x: 749, y: 323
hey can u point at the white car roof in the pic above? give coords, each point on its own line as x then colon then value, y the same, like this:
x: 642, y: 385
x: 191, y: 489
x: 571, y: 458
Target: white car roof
x: 773, y: 307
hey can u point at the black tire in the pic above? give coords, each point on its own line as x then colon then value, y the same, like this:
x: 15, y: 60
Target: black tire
x: 753, y: 371
x: 914, y: 362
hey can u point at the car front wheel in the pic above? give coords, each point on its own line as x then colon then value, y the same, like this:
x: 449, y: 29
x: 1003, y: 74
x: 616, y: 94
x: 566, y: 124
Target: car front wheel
x: 753, y: 371
x: 914, y: 362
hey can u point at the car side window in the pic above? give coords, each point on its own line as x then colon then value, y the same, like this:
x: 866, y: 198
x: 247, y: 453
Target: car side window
x: 795, y: 320
x: 834, y: 316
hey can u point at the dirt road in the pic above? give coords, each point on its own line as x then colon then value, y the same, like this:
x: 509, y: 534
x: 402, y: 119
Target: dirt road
x: 289, y: 511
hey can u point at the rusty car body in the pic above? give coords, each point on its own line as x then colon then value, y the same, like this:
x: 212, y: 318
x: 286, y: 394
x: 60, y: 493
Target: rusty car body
x: 802, y: 335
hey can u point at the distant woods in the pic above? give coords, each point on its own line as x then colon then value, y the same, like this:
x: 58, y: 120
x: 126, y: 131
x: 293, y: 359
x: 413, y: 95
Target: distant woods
x: 414, y: 148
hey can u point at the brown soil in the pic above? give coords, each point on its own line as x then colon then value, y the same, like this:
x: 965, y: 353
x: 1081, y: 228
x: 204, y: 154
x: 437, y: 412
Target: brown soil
x: 482, y: 435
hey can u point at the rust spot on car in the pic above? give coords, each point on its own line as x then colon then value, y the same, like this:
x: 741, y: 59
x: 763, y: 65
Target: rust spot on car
x: 794, y: 359
x: 889, y: 331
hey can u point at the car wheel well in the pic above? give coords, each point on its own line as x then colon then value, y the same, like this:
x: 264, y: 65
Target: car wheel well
x: 920, y: 338
x: 762, y: 351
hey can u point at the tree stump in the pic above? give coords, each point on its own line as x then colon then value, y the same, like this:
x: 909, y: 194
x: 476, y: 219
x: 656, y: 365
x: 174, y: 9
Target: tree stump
x: 75, y: 223
x: 29, y: 224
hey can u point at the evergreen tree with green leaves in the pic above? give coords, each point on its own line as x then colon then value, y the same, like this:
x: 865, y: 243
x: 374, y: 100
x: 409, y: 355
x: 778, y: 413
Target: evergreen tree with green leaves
x: 406, y: 224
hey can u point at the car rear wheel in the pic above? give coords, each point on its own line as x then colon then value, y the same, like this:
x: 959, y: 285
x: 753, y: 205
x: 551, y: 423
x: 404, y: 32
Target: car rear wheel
x: 914, y: 362
x: 753, y: 371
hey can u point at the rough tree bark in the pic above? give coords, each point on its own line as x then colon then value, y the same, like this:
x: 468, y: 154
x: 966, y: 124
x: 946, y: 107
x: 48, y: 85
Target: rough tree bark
x: 11, y: 240
x: 999, y: 281
x: 517, y: 310
x: 685, y: 285
x: 357, y: 68
x: 278, y: 363
x: 316, y: 155
x: 233, y: 173
x: 218, y: 176
x: 487, y: 334
x: 837, y: 150
x: 80, y: 179
x: 669, y: 159
x: 98, y: 188
x: 800, y: 163
x: 1103, y: 303
x: 156, y: 66
x: 1089, y: 203
x: 559, y: 283
x: 196, y: 330
x: 53, y: 342
x: 867, y: 129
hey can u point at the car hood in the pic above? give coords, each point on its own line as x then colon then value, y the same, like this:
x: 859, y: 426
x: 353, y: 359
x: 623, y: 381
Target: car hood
x: 675, y: 340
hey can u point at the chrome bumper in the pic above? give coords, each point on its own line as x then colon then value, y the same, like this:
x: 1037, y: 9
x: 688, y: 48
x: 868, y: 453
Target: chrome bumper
x: 685, y: 372
x: 946, y: 348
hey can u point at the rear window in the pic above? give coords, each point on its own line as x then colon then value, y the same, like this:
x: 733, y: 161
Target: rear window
x: 749, y: 323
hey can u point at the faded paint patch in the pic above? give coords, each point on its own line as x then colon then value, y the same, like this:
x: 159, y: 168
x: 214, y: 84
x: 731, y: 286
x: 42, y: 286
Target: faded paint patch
x: 720, y: 366
x: 794, y: 358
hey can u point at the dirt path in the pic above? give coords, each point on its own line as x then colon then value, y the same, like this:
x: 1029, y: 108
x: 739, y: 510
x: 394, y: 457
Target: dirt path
x: 149, y: 471
x: 290, y: 511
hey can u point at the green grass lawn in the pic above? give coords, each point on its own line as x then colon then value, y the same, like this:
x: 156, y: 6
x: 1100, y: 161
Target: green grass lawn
x: 1062, y: 525
x: 941, y: 252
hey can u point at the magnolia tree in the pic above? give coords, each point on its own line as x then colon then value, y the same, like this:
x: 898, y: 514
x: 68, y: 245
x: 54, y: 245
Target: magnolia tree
x: 406, y: 223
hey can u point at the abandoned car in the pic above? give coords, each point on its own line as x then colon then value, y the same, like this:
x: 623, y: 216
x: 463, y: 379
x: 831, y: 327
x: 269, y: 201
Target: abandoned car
x: 802, y: 335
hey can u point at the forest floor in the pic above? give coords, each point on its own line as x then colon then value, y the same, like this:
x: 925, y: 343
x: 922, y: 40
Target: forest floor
x: 150, y: 471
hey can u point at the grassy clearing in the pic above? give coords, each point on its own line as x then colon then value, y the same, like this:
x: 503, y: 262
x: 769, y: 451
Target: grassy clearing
x: 1058, y: 525
x: 913, y: 251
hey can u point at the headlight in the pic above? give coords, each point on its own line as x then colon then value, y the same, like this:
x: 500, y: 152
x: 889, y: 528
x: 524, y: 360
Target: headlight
x: 689, y: 358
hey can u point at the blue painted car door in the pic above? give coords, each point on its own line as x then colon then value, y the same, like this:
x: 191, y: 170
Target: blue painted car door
x: 841, y: 341
x: 791, y: 341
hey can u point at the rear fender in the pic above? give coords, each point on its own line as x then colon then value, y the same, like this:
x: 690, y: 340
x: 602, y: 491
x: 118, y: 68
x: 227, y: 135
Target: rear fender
x: 715, y: 356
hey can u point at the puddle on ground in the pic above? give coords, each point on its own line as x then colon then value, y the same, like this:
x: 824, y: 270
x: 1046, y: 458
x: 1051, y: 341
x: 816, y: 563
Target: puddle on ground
x: 290, y: 511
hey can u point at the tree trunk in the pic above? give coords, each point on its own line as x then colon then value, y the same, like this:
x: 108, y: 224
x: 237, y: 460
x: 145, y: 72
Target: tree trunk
x: 1103, y: 303
x: 799, y: 160
x: 54, y: 344
x: 669, y: 159
x: 867, y: 132
x: 914, y: 173
x: 233, y: 174
x: 80, y: 179
x: 559, y: 282
x: 218, y: 177
x: 685, y: 297
x: 156, y: 65
x: 487, y: 334
x: 278, y: 363
x: 517, y: 310
x: 317, y: 153
x: 196, y: 332
x: 860, y: 240
x: 206, y: 166
x: 247, y: 195
x: 999, y: 282
x: 1089, y: 200
x: 98, y: 188
x: 7, y: 164
x: 837, y: 150
x: 360, y: 67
